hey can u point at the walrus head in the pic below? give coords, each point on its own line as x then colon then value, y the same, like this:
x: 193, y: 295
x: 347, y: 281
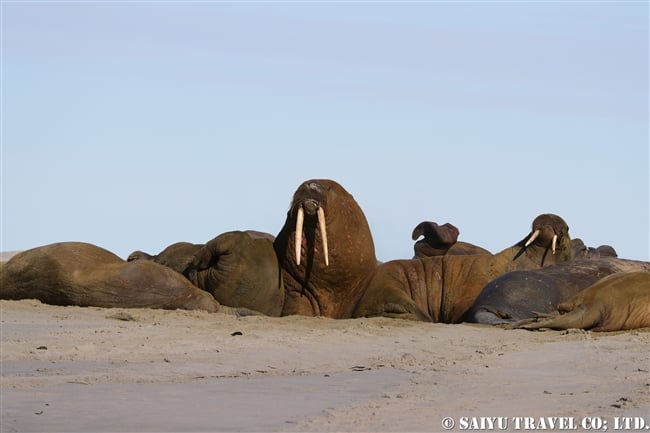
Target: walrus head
x: 549, y: 232
x: 325, y: 249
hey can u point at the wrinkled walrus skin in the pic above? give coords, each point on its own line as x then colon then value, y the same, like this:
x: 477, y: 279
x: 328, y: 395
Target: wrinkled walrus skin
x: 85, y: 275
x: 443, y: 288
x: 520, y: 294
x: 239, y: 268
x: 316, y: 286
x: 618, y: 302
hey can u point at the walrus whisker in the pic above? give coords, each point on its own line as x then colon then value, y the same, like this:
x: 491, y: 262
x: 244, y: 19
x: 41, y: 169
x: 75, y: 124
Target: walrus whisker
x: 298, y: 241
x: 323, y: 233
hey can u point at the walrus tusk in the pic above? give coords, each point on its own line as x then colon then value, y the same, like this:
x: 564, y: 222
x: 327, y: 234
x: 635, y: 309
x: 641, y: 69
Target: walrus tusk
x: 323, y: 233
x: 532, y: 238
x: 554, y: 243
x: 298, y: 245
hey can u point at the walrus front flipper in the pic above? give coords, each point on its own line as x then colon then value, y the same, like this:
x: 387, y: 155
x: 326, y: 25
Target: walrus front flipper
x: 537, y: 317
x: 579, y: 317
x: 618, y: 302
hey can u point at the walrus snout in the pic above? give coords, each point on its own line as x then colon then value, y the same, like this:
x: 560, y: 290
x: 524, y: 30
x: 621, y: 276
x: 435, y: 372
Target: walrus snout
x: 311, y: 206
x: 544, y: 236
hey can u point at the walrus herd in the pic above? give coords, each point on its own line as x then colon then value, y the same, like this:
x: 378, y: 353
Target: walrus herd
x: 322, y: 263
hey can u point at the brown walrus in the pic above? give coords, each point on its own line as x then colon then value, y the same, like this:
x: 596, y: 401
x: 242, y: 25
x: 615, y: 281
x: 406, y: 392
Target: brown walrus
x: 77, y: 273
x: 580, y: 250
x: 617, y: 302
x: 325, y: 250
x: 442, y: 288
x: 239, y: 268
x: 439, y: 240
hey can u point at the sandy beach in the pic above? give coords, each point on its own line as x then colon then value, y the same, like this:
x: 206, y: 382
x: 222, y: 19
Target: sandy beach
x: 93, y: 369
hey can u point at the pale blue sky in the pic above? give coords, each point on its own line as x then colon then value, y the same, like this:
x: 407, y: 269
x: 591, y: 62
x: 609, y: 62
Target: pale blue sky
x: 133, y: 125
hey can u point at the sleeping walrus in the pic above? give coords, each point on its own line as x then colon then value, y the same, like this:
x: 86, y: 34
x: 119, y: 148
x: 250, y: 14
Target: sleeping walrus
x: 517, y: 295
x: 615, y: 303
x: 239, y: 268
x: 76, y: 273
x: 442, y: 288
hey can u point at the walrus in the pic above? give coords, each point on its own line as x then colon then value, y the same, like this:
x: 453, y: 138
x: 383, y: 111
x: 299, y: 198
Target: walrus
x: 617, y: 302
x: 85, y: 275
x: 325, y: 250
x: 517, y: 295
x: 442, y: 288
x: 239, y: 268
x: 177, y: 256
x: 580, y: 250
x: 438, y: 240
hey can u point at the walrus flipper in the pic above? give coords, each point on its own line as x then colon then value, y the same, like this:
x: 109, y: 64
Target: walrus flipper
x: 580, y: 317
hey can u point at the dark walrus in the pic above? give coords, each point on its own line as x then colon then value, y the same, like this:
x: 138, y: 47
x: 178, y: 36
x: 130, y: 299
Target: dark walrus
x: 517, y: 295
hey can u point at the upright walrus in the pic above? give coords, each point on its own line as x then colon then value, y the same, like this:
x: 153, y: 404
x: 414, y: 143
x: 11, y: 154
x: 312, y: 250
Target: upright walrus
x: 325, y: 250
x: 82, y: 274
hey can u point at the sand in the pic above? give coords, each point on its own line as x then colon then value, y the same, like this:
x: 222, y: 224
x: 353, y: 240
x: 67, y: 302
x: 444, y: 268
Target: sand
x: 94, y: 369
